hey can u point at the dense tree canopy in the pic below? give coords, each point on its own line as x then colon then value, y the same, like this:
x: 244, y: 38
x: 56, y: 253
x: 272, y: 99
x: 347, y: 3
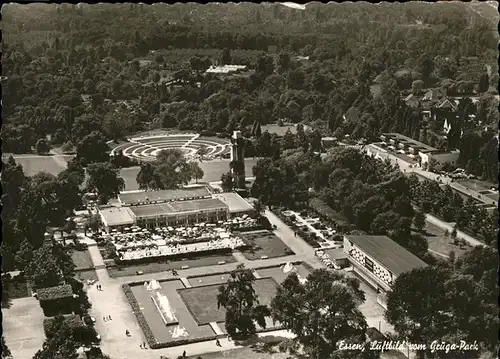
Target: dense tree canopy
x: 242, y: 306
x: 104, y: 179
x: 322, y: 311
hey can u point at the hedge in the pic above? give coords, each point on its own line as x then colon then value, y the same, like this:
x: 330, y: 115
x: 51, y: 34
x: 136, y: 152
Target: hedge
x: 53, y: 293
x: 72, y: 320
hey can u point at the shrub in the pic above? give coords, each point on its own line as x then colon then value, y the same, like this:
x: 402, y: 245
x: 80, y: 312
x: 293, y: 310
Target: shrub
x: 53, y: 293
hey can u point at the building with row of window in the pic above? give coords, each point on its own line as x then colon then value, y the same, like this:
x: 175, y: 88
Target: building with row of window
x: 379, y: 260
x: 151, y: 209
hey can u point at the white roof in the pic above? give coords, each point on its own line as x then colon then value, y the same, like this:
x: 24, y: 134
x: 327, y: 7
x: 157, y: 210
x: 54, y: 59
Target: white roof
x: 116, y: 216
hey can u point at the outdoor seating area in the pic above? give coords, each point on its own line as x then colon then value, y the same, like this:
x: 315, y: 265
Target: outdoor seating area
x: 137, y: 243
x: 241, y: 223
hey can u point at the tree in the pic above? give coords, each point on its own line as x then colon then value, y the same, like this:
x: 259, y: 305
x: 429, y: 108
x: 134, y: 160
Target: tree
x: 104, y: 179
x: 5, y: 349
x: 116, y: 126
x: 168, y: 171
x: 145, y: 176
x: 288, y: 140
x: 265, y: 65
x: 42, y: 147
x: 93, y: 223
x: 61, y: 344
x: 202, y: 151
x: 418, y: 306
x: 258, y: 207
x: 227, y: 182
x: 225, y: 57
x: 453, y: 235
x: 42, y: 270
x: 242, y: 306
x: 196, y: 171
x: 320, y: 312
x: 484, y: 82
x: 93, y: 148
x: 419, y: 220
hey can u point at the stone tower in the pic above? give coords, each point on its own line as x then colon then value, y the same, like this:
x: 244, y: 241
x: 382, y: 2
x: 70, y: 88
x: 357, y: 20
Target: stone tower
x: 238, y: 159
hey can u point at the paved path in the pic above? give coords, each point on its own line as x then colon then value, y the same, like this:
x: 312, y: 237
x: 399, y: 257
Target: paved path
x: 112, y: 301
x: 448, y: 226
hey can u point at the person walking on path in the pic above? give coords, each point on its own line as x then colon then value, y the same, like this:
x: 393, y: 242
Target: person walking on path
x: 184, y: 354
x: 109, y: 317
x: 104, y: 318
x: 217, y: 342
x: 144, y: 345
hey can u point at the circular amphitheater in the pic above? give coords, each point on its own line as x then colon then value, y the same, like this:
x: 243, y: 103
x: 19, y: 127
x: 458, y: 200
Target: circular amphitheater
x: 146, y: 148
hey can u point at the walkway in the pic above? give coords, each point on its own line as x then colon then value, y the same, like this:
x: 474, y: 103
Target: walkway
x: 112, y: 301
x: 449, y: 227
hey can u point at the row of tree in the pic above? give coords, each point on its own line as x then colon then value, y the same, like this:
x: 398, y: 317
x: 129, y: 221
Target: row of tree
x: 451, y: 207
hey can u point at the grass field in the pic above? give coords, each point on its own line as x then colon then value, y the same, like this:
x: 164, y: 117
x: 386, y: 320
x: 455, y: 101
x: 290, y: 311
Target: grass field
x: 439, y: 243
x: 202, y: 301
x: 212, y: 170
x: 264, y: 243
x: 158, y: 267
x: 33, y: 164
x: 86, y: 275
x: 82, y: 259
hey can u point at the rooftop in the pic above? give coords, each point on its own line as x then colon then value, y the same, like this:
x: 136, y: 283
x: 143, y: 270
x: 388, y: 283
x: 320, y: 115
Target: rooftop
x: 224, y: 69
x: 116, y: 216
x: 336, y: 253
x: 52, y: 293
x: 409, y: 141
x: 134, y: 198
x: 388, y: 253
x: 163, y: 209
x: 234, y: 201
x: 281, y: 130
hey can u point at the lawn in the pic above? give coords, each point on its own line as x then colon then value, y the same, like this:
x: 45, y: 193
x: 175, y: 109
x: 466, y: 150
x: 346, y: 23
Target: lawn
x: 157, y: 267
x: 33, y: 164
x: 439, y: 243
x: 213, y: 170
x: 279, y: 276
x: 161, y: 332
x: 82, y: 260
x: 86, y: 275
x: 202, y: 301
x: 264, y: 243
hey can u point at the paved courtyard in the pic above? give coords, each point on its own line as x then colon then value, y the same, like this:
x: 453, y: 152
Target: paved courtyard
x: 112, y: 300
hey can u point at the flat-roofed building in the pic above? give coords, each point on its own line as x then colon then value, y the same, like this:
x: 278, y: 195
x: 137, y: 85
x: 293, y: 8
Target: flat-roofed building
x: 237, y: 205
x: 379, y: 260
x: 180, y: 212
x: 171, y: 195
x: 116, y: 218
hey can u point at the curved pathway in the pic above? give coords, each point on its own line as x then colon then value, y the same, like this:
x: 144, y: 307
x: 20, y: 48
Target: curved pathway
x: 147, y: 148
